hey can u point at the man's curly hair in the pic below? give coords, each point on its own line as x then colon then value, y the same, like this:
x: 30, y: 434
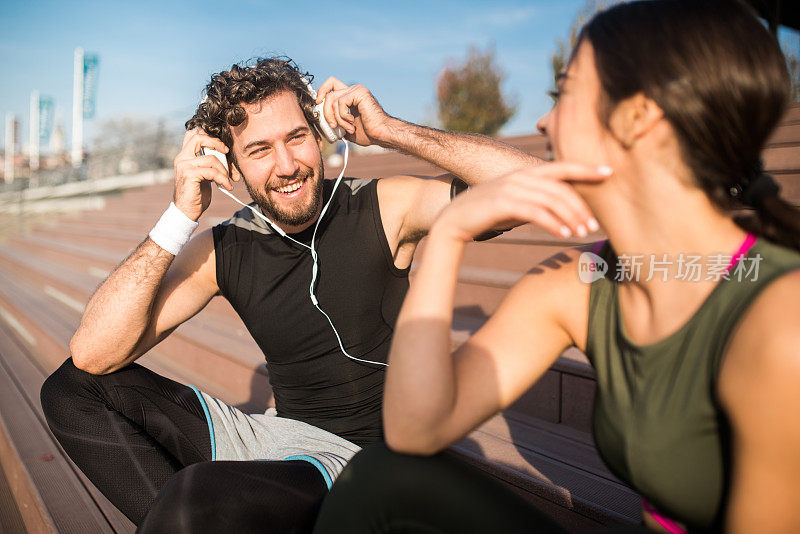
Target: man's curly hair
x: 249, y: 82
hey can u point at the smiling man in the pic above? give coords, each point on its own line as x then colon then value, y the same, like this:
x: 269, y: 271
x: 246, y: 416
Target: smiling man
x: 294, y: 200
x: 130, y: 430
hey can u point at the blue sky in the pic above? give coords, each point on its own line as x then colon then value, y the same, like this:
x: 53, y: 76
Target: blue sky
x: 155, y: 57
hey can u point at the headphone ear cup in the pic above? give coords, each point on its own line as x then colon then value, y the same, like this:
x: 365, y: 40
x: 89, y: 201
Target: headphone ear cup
x: 324, y: 128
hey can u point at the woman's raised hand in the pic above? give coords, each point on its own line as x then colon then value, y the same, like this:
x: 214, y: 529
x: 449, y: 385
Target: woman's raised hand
x: 541, y: 195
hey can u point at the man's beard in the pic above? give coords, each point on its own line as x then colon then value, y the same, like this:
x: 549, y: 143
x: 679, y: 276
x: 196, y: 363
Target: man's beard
x: 294, y: 215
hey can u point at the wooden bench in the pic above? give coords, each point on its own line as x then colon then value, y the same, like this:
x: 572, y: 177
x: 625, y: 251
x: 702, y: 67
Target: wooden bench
x: 541, y: 446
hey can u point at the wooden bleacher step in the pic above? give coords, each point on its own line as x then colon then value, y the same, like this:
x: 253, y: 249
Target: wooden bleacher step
x: 11, y: 521
x: 54, y: 495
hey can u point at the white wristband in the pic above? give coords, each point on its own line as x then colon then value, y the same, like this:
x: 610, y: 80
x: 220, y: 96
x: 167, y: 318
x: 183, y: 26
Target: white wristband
x: 173, y: 230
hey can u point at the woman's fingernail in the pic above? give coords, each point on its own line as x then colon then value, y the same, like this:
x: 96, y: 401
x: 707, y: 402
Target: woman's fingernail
x: 593, y: 225
x: 565, y: 232
x: 604, y: 170
x: 581, y: 231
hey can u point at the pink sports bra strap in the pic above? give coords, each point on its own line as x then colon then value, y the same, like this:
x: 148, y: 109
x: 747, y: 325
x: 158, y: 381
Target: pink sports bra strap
x: 744, y: 248
x: 669, y: 525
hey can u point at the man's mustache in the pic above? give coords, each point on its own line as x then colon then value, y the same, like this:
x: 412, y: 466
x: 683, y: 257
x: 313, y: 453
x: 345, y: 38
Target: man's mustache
x: 301, y: 174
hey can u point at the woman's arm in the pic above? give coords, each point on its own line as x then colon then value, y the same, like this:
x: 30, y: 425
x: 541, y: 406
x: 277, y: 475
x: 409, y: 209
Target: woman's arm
x: 759, y: 388
x: 433, y: 398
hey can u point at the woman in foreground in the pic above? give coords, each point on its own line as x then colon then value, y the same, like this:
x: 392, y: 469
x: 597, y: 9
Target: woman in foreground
x: 697, y: 373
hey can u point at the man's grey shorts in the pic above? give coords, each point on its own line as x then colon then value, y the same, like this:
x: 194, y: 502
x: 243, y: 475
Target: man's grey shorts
x: 236, y: 435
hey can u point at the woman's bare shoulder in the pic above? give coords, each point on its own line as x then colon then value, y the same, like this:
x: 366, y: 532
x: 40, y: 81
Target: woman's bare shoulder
x: 764, y: 351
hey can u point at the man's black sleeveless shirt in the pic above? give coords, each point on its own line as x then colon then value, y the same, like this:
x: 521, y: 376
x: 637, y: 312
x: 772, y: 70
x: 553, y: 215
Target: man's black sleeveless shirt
x: 266, y: 278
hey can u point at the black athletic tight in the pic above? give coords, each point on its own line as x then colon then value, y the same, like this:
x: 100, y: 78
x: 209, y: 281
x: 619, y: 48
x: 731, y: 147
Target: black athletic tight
x: 238, y: 498
x: 131, y: 431
x: 128, y: 431
x: 381, y: 492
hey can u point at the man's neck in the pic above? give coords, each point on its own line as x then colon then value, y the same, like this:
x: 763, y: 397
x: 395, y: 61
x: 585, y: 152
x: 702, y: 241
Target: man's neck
x: 296, y: 229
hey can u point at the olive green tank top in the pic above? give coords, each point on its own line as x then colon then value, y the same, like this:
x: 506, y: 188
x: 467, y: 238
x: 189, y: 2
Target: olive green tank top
x: 657, y: 422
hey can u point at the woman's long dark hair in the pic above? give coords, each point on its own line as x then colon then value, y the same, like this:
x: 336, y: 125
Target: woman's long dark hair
x: 721, y: 80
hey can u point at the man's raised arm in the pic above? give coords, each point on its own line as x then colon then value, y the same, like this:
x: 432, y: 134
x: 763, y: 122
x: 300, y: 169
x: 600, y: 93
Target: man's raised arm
x: 473, y: 158
x: 155, y: 289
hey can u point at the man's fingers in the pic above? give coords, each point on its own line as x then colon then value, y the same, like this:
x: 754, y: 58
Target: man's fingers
x: 211, y: 175
x: 189, y: 135
x: 327, y: 109
x: 324, y: 89
x: 337, y: 109
x: 344, y: 117
x: 217, y: 164
x: 196, y: 138
x: 334, y: 104
x: 189, y: 138
x: 344, y: 109
x: 209, y: 161
x: 206, y: 141
x: 331, y: 84
x: 338, y: 117
x: 210, y: 168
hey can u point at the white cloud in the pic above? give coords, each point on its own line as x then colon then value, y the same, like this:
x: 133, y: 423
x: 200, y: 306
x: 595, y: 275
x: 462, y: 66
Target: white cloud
x: 505, y: 18
x: 414, y: 44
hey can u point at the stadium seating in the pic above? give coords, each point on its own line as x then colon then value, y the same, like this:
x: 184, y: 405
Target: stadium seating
x: 541, y: 446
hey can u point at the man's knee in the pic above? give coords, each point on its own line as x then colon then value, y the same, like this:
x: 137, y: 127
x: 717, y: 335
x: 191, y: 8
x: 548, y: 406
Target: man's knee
x: 61, y: 390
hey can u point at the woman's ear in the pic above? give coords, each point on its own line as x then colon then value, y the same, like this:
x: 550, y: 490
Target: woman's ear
x: 633, y: 118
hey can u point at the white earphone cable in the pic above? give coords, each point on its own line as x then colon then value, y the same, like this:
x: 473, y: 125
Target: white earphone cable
x: 312, y: 249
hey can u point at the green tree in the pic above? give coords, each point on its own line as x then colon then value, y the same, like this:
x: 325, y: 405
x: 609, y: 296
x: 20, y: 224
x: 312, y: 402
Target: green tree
x: 470, y: 96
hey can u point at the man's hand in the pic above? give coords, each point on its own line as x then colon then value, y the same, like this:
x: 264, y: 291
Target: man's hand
x: 194, y: 174
x: 356, y: 110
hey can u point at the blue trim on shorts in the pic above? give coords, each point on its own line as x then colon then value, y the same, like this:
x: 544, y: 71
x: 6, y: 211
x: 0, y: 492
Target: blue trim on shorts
x: 316, y: 463
x: 210, y: 426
